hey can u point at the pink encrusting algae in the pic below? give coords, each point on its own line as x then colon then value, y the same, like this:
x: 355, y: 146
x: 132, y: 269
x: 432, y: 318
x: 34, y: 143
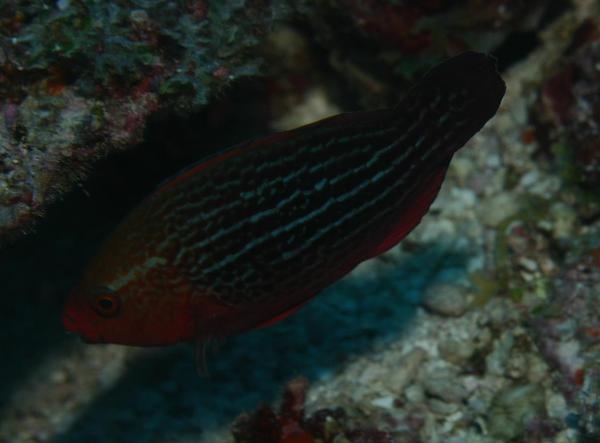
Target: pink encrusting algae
x: 245, y: 238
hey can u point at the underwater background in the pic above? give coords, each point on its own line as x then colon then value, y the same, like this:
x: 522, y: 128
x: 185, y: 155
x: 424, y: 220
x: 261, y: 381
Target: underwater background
x: 483, y: 325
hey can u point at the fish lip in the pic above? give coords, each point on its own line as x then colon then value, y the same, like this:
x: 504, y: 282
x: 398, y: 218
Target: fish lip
x: 72, y: 327
x: 68, y: 318
x: 69, y: 322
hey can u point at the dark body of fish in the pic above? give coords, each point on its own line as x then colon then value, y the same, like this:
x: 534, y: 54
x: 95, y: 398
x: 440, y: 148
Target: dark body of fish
x: 244, y: 238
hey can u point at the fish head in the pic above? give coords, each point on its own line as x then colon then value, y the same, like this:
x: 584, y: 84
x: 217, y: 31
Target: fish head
x: 130, y: 298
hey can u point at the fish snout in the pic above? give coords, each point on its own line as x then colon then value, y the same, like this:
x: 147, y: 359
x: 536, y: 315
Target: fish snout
x: 69, y: 321
x: 74, y: 321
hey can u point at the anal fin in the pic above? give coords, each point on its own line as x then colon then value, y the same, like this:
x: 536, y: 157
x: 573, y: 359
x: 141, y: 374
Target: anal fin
x: 413, y: 213
x: 281, y: 316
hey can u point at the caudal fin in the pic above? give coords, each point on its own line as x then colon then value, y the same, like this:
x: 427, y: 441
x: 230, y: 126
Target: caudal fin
x: 465, y: 91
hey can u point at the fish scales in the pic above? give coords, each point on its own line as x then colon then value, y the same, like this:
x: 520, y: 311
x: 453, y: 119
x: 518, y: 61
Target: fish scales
x: 361, y: 161
x: 245, y: 237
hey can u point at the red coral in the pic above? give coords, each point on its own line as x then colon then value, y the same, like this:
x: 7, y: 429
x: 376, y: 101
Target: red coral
x: 570, y: 101
x: 291, y: 414
x: 558, y: 95
x: 587, y: 32
x: 199, y: 9
x: 260, y: 427
x: 264, y: 426
x: 390, y: 23
x: 290, y: 426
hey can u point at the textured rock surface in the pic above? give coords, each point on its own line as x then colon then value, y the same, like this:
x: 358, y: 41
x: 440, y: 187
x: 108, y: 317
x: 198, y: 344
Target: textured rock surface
x: 446, y: 299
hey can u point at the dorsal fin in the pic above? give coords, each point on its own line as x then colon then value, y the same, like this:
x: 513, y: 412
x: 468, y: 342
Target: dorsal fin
x: 194, y: 168
x: 285, y: 314
x: 414, y: 212
x: 213, y: 159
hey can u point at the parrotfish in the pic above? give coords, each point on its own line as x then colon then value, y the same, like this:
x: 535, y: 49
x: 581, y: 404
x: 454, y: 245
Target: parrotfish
x: 245, y: 238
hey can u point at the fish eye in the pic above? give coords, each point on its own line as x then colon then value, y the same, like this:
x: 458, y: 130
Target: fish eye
x: 106, y: 305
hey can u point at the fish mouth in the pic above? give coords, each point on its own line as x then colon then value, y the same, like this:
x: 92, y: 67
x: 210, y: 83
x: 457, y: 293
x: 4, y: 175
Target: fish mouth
x: 72, y: 326
x: 69, y: 322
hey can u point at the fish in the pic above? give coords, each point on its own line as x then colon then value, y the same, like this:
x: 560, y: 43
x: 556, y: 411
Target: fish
x: 243, y: 239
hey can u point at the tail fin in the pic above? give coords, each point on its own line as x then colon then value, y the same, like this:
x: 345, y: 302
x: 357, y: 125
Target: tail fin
x: 466, y: 89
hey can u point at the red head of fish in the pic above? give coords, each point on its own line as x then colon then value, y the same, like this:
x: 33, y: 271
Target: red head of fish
x: 122, y: 297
